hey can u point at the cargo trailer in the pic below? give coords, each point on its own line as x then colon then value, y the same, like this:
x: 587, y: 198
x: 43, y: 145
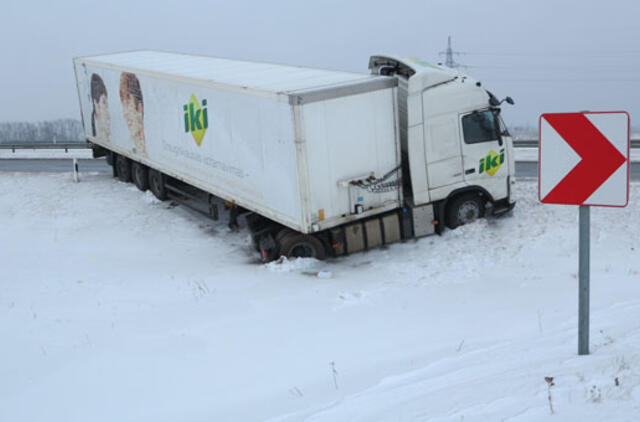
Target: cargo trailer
x: 320, y: 162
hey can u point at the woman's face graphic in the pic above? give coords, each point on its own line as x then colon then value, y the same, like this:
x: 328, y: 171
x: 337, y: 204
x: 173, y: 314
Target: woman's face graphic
x: 102, y: 118
x: 133, y: 116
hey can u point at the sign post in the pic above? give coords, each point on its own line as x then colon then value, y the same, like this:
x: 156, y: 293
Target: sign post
x: 583, y: 160
x: 583, y: 276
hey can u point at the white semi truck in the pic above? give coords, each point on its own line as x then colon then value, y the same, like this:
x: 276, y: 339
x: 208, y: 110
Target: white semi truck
x: 321, y: 163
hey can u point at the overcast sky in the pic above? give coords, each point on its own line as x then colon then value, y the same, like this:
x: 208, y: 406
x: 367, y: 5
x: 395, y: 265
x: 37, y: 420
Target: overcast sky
x: 548, y: 55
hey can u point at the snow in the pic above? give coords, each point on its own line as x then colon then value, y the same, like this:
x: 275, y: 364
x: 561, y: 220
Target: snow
x: 115, y: 306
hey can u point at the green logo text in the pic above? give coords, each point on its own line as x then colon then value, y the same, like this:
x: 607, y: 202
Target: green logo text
x: 196, y: 120
x: 492, y: 162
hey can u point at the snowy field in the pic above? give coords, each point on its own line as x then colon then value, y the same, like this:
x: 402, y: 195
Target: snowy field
x: 117, y: 307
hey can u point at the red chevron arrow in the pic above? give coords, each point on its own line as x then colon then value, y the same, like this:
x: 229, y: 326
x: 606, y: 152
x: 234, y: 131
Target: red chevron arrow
x: 600, y: 159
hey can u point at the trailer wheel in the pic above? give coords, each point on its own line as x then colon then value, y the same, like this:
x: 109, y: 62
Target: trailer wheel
x: 156, y: 184
x: 301, y: 246
x: 464, y: 209
x: 123, y: 168
x: 140, y: 176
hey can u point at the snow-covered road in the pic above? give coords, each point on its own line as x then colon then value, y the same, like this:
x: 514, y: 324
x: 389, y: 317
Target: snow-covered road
x: 114, y: 306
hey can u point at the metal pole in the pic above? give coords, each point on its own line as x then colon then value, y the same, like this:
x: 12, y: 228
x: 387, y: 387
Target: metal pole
x: 75, y: 170
x: 583, y: 275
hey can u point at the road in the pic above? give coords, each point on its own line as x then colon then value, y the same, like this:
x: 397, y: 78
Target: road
x: 523, y: 168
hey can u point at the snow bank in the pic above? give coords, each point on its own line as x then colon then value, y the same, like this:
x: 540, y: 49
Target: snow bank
x: 115, y: 306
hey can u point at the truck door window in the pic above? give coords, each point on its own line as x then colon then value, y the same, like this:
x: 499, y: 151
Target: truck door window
x: 480, y: 126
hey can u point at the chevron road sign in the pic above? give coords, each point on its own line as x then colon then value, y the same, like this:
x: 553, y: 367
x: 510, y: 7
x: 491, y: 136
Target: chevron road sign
x: 584, y: 159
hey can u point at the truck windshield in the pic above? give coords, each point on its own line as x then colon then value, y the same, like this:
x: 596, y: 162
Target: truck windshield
x: 480, y: 126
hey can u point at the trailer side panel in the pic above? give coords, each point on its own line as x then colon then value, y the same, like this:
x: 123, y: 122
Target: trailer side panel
x: 237, y: 146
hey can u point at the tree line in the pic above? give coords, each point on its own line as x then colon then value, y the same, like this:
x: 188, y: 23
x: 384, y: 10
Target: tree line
x: 70, y: 130
x: 60, y: 130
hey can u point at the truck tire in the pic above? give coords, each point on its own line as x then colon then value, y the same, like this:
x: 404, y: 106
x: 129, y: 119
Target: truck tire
x: 123, y: 168
x: 140, y: 176
x: 282, y: 233
x: 464, y: 209
x: 156, y: 184
x: 301, y: 246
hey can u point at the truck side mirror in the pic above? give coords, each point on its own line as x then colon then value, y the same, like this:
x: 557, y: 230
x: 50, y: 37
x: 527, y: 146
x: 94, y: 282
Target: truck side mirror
x: 509, y: 100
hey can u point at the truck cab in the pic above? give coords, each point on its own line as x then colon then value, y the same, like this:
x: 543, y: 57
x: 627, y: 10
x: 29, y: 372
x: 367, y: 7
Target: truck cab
x: 457, y: 153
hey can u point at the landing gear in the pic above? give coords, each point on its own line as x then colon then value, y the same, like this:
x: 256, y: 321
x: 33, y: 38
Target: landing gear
x: 109, y: 157
x: 234, y: 211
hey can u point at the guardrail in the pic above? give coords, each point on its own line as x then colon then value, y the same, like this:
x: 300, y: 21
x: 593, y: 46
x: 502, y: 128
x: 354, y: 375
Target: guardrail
x: 533, y: 143
x: 519, y: 143
x: 46, y: 145
x: 525, y: 143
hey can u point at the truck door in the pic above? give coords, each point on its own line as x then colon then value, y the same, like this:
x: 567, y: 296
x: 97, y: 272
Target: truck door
x: 442, y: 150
x: 484, y: 153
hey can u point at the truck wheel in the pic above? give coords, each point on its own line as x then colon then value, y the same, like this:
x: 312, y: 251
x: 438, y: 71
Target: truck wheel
x: 301, y: 246
x: 156, y: 184
x: 464, y: 209
x: 123, y: 168
x: 282, y: 233
x: 140, y: 176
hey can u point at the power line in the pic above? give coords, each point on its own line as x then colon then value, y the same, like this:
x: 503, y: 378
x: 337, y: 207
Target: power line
x: 554, y: 54
x: 566, y: 80
x: 449, y: 53
x: 627, y: 67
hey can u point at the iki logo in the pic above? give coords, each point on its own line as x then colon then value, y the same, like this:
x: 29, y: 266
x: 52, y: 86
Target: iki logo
x: 195, y: 119
x: 492, y: 162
